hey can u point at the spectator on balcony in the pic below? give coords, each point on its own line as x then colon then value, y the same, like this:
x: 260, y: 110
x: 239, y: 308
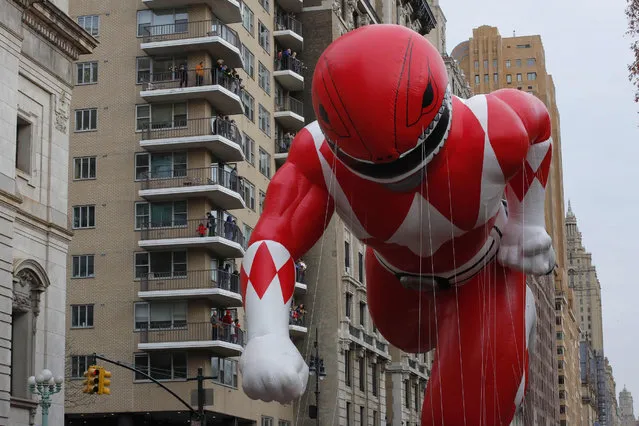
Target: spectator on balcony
x: 210, y: 224
x: 235, y: 280
x: 288, y: 140
x: 235, y: 330
x: 226, y: 277
x: 201, y: 230
x: 233, y: 177
x: 300, y: 270
x: 199, y: 74
x: 183, y: 75
x: 215, y: 324
x: 236, y: 230
x: 228, y: 228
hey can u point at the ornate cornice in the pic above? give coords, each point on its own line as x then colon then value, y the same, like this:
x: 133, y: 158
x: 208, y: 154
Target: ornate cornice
x: 44, y: 17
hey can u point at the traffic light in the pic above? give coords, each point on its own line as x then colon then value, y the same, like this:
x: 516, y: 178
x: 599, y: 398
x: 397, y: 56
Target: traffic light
x: 104, y: 382
x: 91, y: 383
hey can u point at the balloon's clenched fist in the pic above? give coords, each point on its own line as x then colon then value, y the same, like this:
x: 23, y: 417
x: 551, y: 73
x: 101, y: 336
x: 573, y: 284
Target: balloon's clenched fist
x: 273, y: 369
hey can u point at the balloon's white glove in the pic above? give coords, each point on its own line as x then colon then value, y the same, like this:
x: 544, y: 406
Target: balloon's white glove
x: 273, y: 369
x: 527, y: 249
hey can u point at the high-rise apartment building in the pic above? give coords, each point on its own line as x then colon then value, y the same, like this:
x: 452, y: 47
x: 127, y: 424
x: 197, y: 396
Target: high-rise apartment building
x: 38, y: 44
x: 589, y: 394
x: 175, y: 123
x: 493, y: 62
x: 626, y: 407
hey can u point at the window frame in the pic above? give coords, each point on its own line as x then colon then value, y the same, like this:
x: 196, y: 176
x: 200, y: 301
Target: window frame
x: 78, y: 165
x: 248, y: 57
x: 251, y: 23
x: 150, y: 116
x: 149, y: 254
x: 264, y: 78
x: 264, y: 162
x: 249, y: 149
x: 221, y: 371
x: 81, y: 258
x: 79, y: 212
x: 81, y: 111
x: 149, y: 321
x: 248, y: 102
x: 75, y: 359
x: 93, y: 73
x: 94, y: 18
x: 149, y: 367
x: 264, y: 36
x: 87, y: 307
x: 264, y: 120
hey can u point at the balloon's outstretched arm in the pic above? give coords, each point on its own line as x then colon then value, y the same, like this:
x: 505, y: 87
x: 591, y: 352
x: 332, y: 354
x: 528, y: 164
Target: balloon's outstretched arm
x: 295, y: 214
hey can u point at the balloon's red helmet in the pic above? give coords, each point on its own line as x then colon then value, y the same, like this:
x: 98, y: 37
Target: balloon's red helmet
x: 381, y: 98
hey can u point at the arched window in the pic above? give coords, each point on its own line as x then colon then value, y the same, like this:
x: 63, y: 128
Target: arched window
x: 29, y: 282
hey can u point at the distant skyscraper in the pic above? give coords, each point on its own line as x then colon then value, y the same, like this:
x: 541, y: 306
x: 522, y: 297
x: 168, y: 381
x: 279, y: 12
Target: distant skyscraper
x: 627, y: 408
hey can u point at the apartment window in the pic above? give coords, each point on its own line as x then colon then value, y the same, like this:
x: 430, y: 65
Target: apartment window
x: 495, y: 78
x: 247, y: 232
x: 249, y: 194
x: 160, y: 264
x: 362, y: 416
x: 84, y: 168
x: 508, y: 63
x: 264, y: 118
x: 160, y: 214
x: 168, y: 21
x: 87, y: 72
x: 374, y: 379
x: 267, y: 421
x: 83, y: 217
x: 495, y: 63
x: 81, y: 316
x: 249, y: 149
x: 486, y: 78
x: 485, y: 64
x: 161, y: 365
x: 248, y: 18
x: 264, y: 78
x: 248, y: 101
x: 80, y: 364
x: 407, y: 393
x: 265, y: 163
x: 518, y: 62
x: 476, y: 78
x: 86, y: 119
x: 531, y: 76
x: 348, y: 305
x: 416, y: 396
x: 347, y: 255
x: 362, y: 313
x: 83, y: 266
x: 159, y: 68
x: 262, y: 198
x: 265, y: 37
x: 90, y: 23
x: 265, y: 4
x: 160, y: 165
x: 476, y: 64
x: 347, y: 368
x: 362, y: 374
x: 523, y: 46
x: 519, y: 77
x: 224, y: 370
x: 160, y: 116
x: 531, y: 62
x: 162, y: 315
x: 348, y: 414
x: 23, y: 145
x: 509, y: 78
x: 360, y: 267
x: 249, y: 61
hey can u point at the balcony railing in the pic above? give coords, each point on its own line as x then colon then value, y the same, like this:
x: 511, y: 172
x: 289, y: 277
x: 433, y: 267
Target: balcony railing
x: 184, y: 30
x: 299, y: 321
x: 368, y: 339
x: 289, y: 63
x: 190, y: 280
x: 380, y: 346
x: 193, y: 177
x: 286, y: 103
x: 194, y: 332
x: 423, y: 13
x: 178, y: 79
x: 284, y: 22
x: 182, y: 128
x: 354, y: 331
x: 192, y: 228
x: 412, y: 363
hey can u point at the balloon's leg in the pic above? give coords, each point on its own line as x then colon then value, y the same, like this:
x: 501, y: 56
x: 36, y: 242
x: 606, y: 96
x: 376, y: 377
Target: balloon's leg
x: 479, y: 374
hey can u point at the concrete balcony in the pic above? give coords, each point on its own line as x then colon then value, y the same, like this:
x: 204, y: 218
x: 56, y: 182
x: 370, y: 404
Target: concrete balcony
x: 219, y: 89
x: 297, y: 327
x: 212, y: 37
x: 362, y: 338
x: 294, y: 6
x: 289, y: 113
x: 288, y: 33
x: 219, y: 186
x: 288, y: 73
x: 220, y: 287
x: 224, y: 240
x: 227, y: 10
x: 222, y: 138
x: 222, y: 341
x: 282, y: 146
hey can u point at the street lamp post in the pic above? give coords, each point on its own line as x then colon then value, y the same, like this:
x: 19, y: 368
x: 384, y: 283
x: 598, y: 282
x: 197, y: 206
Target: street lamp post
x: 316, y: 368
x: 46, y: 386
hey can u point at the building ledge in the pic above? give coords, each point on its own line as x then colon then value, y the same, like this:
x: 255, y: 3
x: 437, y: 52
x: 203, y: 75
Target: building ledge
x: 46, y: 19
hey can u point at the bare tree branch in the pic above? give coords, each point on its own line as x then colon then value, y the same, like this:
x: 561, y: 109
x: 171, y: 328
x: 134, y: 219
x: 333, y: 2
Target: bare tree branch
x: 632, y: 14
x: 73, y: 395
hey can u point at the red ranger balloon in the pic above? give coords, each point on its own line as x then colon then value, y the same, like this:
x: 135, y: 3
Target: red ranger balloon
x: 448, y: 196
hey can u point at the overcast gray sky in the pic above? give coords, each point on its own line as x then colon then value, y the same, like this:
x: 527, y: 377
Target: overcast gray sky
x: 587, y: 53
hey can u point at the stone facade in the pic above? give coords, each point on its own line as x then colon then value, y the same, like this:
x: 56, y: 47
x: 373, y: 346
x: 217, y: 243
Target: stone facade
x: 38, y: 41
